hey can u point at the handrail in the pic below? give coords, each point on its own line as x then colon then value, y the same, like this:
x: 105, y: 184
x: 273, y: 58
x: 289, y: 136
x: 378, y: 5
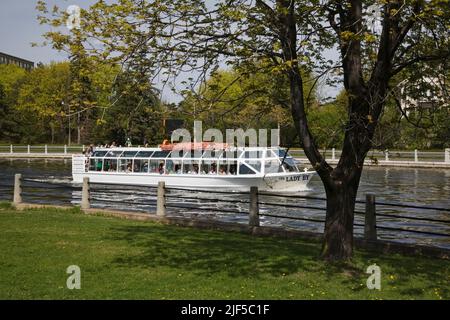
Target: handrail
x: 153, y: 200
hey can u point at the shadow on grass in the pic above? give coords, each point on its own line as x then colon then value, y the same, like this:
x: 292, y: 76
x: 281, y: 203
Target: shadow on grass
x: 205, y: 253
x: 208, y: 252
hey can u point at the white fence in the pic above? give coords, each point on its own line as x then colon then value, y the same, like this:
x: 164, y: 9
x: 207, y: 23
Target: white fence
x: 387, y: 155
x: 44, y: 149
x: 331, y: 154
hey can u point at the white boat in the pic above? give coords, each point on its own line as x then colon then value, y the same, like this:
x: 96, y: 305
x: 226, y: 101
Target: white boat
x: 199, y: 167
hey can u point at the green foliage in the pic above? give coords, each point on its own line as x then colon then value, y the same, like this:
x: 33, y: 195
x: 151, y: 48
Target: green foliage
x: 104, y: 105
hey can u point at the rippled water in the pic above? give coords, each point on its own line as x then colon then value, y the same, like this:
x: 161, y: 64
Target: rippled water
x: 424, y: 187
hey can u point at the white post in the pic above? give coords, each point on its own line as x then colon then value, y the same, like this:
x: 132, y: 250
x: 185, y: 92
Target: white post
x: 333, y: 154
x: 447, y: 155
x: 416, y: 156
x: 386, y: 156
x: 65, y: 149
x: 161, y: 200
x: 46, y: 149
x: 85, y: 203
x: 28, y: 149
x: 17, y: 188
x: 11, y: 149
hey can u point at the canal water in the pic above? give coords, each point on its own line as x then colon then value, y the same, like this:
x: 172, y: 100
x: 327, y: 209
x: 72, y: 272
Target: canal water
x: 406, y: 186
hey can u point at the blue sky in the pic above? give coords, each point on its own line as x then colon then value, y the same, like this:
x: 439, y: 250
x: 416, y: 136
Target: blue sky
x: 19, y: 28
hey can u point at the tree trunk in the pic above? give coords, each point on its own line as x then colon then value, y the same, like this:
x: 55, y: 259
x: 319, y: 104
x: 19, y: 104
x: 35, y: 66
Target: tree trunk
x: 338, y: 234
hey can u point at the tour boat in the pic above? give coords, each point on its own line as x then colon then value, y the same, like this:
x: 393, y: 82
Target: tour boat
x: 194, y: 166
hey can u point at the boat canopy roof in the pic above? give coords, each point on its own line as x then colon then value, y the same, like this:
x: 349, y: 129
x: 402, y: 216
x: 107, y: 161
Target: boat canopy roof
x: 162, y: 153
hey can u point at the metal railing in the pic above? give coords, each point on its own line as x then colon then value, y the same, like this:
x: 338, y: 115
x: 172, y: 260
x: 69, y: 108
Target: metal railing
x: 163, y: 198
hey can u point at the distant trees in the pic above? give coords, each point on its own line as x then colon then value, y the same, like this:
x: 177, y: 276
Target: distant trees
x: 54, y: 102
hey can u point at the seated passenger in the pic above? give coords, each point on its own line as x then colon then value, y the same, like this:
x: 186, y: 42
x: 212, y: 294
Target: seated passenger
x: 161, y: 168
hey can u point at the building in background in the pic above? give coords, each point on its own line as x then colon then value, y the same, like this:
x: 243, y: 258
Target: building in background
x: 8, y: 59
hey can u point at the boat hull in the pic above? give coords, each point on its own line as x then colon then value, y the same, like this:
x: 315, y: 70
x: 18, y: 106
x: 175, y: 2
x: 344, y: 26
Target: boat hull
x: 274, y: 182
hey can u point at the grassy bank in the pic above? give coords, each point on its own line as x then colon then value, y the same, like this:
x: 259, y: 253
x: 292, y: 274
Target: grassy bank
x: 145, y: 260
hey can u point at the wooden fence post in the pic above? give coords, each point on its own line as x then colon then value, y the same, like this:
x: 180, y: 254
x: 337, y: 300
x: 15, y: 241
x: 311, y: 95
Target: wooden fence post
x: 28, y: 149
x: 416, y: 155
x: 161, y: 199
x: 447, y: 155
x: 85, y: 202
x: 253, y: 220
x: 370, y: 225
x: 17, y: 188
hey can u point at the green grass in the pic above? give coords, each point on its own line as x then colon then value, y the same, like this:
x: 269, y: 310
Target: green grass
x: 125, y: 259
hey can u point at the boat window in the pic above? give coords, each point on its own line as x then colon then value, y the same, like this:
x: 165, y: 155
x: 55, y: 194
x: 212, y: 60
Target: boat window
x: 280, y: 153
x: 110, y: 165
x: 254, y: 154
x: 160, y: 154
x: 290, y: 165
x: 144, y: 154
x: 193, y: 154
x: 140, y: 165
x: 212, y: 153
x: 227, y: 167
x: 128, y: 154
x: 99, y: 154
x: 95, y: 165
x: 232, y: 154
x: 190, y: 167
x: 272, y: 166
x: 156, y: 166
x: 177, y: 153
x: 270, y: 154
x: 112, y: 153
x: 208, y: 167
x: 244, y: 169
x: 255, y: 164
x: 173, y: 166
x: 125, y: 165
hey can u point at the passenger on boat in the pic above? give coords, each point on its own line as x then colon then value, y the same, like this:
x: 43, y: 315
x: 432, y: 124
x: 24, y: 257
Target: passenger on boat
x: 161, y: 168
x: 213, y: 169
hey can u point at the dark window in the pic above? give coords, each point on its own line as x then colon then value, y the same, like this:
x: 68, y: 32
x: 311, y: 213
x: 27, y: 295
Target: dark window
x: 243, y: 169
x: 160, y: 154
x: 128, y: 154
x: 144, y: 154
x: 112, y: 153
x: 99, y: 153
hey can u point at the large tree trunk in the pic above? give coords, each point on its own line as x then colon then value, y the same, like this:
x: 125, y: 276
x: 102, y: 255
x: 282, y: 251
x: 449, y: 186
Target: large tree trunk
x: 338, y: 233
